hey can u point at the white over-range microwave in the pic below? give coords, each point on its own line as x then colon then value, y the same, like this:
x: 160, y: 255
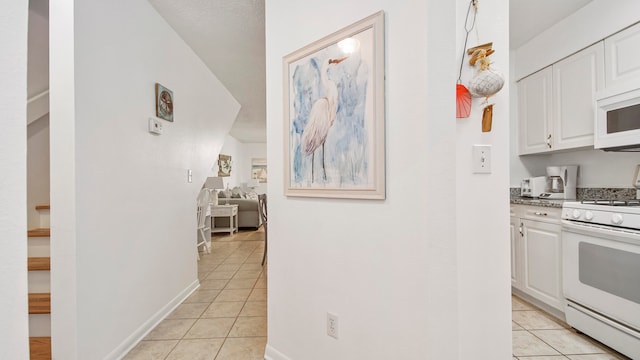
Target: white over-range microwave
x: 617, y: 126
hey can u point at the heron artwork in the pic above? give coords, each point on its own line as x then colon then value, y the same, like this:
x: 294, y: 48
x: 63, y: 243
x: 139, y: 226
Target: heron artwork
x: 321, y: 117
x: 334, y: 114
x: 329, y: 134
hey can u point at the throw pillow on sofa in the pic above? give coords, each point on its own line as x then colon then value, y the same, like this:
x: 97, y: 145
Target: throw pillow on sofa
x: 237, y: 193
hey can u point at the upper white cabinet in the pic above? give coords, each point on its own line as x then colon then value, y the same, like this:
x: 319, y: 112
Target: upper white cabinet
x: 534, y: 112
x: 575, y: 81
x: 556, y: 104
x: 622, y: 56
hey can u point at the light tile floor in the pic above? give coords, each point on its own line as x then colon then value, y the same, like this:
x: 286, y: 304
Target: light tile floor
x: 226, y: 318
x: 538, y: 336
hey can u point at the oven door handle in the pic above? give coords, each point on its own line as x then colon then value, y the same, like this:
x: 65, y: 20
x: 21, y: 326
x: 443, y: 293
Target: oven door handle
x: 620, y: 234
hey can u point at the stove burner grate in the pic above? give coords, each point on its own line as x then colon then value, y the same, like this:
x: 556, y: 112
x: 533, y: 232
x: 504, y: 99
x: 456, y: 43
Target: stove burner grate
x: 613, y: 202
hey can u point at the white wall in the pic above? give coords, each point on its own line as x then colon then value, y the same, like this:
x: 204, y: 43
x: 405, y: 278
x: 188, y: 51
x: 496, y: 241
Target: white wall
x: 392, y: 270
x: 590, y: 24
x: 242, y: 153
x: 37, y: 168
x: 482, y: 199
x: 38, y: 64
x: 38, y: 57
x: 253, y: 151
x: 594, y: 22
x: 38, y: 128
x: 598, y: 168
x: 123, y: 214
x: 14, y: 334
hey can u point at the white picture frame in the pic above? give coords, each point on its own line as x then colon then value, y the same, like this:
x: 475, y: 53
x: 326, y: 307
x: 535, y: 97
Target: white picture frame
x: 334, y: 114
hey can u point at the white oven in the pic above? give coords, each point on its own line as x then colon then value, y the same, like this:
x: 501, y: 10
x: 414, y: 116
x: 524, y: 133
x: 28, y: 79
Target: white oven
x: 601, y: 273
x: 617, y: 126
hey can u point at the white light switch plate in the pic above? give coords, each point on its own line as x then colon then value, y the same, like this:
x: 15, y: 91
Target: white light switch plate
x: 481, y: 162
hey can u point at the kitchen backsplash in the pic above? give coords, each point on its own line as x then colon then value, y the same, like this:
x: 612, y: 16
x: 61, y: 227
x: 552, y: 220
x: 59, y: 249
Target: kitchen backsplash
x: 593, y: 193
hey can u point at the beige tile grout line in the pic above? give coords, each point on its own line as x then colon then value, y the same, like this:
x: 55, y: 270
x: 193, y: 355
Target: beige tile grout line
x: 245, y: 301
x: 532, y: 308
x: 223, y: 288
x: 243, y: 306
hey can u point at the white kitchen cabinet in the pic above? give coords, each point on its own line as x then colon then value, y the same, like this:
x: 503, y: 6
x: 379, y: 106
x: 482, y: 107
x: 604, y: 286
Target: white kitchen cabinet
x: 575, y: 81
x: 622, y: 52
x: 516, y: 252
x: 536, y: 255
x: 542, y: 260
x: 556, y: 104
x: 534, y: 111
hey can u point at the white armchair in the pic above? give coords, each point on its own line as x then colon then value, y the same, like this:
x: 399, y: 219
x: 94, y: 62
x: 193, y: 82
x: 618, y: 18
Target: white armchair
x: 204, y: 226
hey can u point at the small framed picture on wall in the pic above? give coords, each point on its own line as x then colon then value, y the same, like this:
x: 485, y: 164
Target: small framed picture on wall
x: 259, y: 169
x: 224, y: 165
x: 164, y: 103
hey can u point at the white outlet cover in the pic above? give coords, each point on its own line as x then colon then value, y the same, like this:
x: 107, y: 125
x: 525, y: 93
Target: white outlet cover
x: 332, y: 325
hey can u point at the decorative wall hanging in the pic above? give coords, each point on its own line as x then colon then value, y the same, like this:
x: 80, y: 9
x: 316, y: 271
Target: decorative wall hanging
x: 487, y: 81
x: 463, y: 97
x: 259, y: 169
x: 334, y: 114
x: 164, y: 103
x: 224, y: 165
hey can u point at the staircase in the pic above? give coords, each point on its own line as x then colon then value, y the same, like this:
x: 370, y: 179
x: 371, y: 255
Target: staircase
x: 39, y: 266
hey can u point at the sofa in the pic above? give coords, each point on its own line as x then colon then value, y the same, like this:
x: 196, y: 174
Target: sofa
x: 248, y: 216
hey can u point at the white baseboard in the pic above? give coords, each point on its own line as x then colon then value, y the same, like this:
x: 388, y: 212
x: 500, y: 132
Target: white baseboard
x: 130, y: 342
x: 273, y: 354
x: 539, y: 304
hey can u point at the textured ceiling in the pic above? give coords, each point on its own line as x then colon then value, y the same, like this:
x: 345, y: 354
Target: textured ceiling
x: 228, y: 35
x: 528, y: 18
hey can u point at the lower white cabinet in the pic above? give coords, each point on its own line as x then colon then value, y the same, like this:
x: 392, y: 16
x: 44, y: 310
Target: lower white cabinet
x: 516, y: 251
x: 542, y: 262
x: 536, y: 254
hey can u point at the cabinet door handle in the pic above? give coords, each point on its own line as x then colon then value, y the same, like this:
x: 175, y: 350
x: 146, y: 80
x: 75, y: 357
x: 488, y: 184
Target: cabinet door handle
x: 520, y: 228
x: 540, y: 213
x: 549, y: 141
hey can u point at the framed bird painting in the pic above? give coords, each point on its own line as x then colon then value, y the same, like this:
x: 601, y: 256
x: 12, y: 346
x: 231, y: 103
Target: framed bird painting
x: 334, y: 114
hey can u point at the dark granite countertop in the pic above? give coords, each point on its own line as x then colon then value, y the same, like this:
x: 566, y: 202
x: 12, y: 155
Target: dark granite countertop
x: 582, y: 194
x: 538, y: 202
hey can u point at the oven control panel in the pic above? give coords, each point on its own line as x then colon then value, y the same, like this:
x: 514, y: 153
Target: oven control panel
x: 618, y: 216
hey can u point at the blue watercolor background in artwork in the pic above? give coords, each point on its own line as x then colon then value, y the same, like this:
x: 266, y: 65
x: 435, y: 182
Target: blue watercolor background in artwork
x: 346, y: 158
